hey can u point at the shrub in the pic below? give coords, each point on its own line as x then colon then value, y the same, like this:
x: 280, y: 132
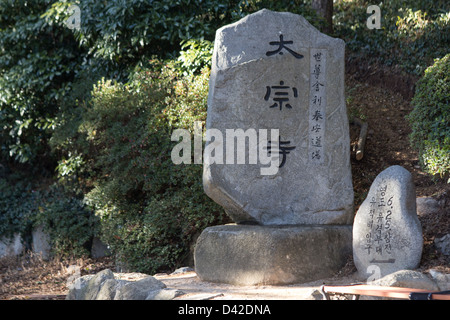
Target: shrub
x: 37, y: 63
x: 18, y: 205
x: 69, y: 222
x: 413, y: 33
x: 150, y: 209
x: 430, y: 118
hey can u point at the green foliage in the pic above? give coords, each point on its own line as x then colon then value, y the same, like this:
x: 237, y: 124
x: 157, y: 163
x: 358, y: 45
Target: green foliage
x: 36, y: 63
x: 196, y: 57
x: 119, y: 34
x: 110, y: 138
x: 18, y: 205
x: 413, y: 33
x: 68, y: 221
x: 64, y: 216
x: 430, y: 118
x: 150, y: 209
x: 42, y: 60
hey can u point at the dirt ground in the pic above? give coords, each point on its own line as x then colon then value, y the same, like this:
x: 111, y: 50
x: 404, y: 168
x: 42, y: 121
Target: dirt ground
x: 383, y: 105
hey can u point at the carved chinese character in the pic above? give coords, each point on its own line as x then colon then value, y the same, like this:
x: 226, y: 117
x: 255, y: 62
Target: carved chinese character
x: 282, y: 150
x: 317, y: 85
x: 316, y: 155
x: 281, y: 94
x: 281, y: 45
x: 318, y: 56
x: 316, y: 71
x: 317, y: 115
x: 316, y: 142
x: 316, y: 128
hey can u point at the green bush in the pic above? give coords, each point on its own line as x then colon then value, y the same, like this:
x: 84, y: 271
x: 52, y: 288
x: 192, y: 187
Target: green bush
x: 69, y: 222
x: 430, y: 118
x: 18, y: 206
x: 413, y: 32
x: 150, y: 208
x: 37, y: 63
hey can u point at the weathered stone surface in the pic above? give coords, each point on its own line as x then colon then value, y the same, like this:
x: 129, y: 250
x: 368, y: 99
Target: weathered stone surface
x: 442, y: 279
x: 250, y: 71
x: 386, y: 232
x: 443, y: 244
x: 41, y: 243
x: 427, y: 205
x: 407, y: 279
x: 182, y: 270
x: 104, y: 286
x: 88, y: 287
x: 139, y: 290
x: 251, y: 255
x: 109, y: 288
x: 164, y: 294
x: 403, y: 279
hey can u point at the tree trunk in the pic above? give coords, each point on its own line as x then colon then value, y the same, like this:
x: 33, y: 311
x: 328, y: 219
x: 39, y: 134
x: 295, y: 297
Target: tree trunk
x: 362, y: 137
x: 324, y: 8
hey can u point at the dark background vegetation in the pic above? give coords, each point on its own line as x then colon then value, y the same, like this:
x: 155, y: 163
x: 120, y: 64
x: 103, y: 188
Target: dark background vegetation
x: 86, y: 115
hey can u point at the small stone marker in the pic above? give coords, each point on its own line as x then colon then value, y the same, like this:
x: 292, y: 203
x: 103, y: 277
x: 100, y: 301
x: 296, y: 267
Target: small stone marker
x: 274, y: 70
x: 387, y: 235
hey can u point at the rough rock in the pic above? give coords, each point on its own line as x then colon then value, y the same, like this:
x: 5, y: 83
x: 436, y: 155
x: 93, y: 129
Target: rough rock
x: 442, y: 279
x: 427, y: 205
x: 255, y: 255
x: 407, y: 279
x: 41, y: 243
x: 443, y: 244
x: 88, y: 287
x: 11, y: 246
x: 109, y: 288
x: 139, y: 290
x: 104, y: 286
x: 403, y: 279
x: 387, y: 235
x: 182, y: 270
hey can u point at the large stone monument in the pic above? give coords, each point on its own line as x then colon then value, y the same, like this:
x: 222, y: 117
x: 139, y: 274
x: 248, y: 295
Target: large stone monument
x: 277, y: 155
x: 387, y: 235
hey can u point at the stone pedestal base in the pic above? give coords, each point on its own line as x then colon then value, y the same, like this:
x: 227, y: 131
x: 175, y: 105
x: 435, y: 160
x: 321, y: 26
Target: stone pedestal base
x: 271, y: 255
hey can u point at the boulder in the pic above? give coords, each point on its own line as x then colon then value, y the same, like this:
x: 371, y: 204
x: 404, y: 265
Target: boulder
x: 276, y: 255
x: 104, y: 286
x: 275, y: 71
x: 443, y: 244
x: 139, y: 290
x: 11, y: 246
x: 403, y: 279
x: 441, y: 279
x: 41, y: 243
x: 387, y: 234
x: 407, y: 279
x: 427, y: 205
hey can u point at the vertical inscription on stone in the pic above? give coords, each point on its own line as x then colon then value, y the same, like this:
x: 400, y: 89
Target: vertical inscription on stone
x: 378, y: 236
x: 386, y: 231
x: 317, y: 105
